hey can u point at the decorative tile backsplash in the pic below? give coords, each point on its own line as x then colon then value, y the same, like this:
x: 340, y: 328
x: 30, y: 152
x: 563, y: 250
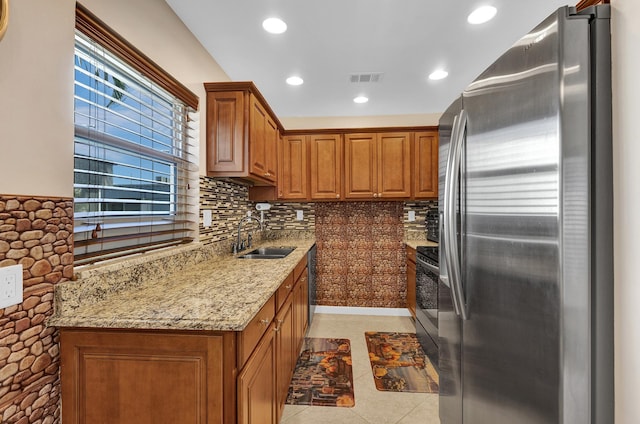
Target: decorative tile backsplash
x: 228, y: 202
x: 361, y: 257
x: 282, y: 216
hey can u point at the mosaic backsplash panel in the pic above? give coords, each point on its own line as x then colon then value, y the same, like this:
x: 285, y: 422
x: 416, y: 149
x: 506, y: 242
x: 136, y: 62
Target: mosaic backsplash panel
x: 36, y: 233
x: 282, y: 216
x: 361, y: 258
x: 229, y: 203
x: 416, y: 230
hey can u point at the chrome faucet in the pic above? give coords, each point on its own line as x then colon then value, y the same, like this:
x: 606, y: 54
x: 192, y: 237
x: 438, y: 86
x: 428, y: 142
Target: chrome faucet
x: 240, y: 244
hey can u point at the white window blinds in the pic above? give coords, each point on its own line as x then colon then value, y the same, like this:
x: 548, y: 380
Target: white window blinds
x: 135, y: 172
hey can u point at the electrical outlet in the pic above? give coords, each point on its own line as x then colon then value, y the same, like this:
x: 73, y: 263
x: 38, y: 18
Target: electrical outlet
x: 299, y: 215
x: 10, y: 285
x: 206, y: 218
x: 412, y: 216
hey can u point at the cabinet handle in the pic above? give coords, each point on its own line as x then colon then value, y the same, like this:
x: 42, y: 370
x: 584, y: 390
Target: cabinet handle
x: 337, y: 196
x: 267, y: 174
x: 288, y: 286
x: 277, y: 328
x: 375, y: 194
x: 265, y: 322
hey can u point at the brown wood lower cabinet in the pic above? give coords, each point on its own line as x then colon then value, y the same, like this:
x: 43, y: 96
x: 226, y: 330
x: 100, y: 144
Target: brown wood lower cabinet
x: 159, y: 376
x: 118, y: 376
x: 257, y: 390
x: 286, y: 347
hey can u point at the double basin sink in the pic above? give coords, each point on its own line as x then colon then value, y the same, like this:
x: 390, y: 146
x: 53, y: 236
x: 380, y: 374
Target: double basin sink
x: 268, y: 253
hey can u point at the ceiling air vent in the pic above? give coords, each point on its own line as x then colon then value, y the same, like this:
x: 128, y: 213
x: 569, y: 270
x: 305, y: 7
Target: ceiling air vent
x: 366, y: 78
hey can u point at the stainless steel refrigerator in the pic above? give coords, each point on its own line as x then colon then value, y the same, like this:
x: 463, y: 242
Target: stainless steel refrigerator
x: 526, y: 253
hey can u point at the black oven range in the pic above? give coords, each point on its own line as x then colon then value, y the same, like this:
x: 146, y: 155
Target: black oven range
x: 427, y: 279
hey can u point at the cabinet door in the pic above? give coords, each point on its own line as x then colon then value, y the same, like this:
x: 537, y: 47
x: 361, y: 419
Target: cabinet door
x: 257, y: 384
x: 411, y: 287
x: 226, y: 131
x: 325, y: 166
x: 360, y: 167
x: 272, y: 135
x: 394, y: 165
x: 257, y: 140
x: 293, y: 182
x: 129, y: 377
x: 301, y: 308
x: 285, y: 352
x: 425, y: 162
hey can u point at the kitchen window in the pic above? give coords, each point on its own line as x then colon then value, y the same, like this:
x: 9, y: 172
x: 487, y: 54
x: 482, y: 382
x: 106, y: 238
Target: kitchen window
x: 135, y: 162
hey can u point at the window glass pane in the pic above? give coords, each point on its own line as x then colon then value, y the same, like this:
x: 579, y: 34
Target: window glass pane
x: 130, y: 172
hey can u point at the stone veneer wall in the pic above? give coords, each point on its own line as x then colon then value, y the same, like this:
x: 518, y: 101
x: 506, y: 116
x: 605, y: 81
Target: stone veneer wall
x: 37, y: 233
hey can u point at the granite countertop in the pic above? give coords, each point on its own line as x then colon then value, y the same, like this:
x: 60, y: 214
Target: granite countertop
x: 415, y: 243
x: 219, y: 294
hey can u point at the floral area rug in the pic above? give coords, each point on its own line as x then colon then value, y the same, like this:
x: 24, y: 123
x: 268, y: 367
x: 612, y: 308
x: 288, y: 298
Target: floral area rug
x: 323, y: 375
x: 399, y: 364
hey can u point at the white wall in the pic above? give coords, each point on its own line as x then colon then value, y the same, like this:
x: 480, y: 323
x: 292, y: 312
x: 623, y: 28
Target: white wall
x: 152, y: 27
x: 36, y: 99
x: 626, y: 136
x: 291, y: 123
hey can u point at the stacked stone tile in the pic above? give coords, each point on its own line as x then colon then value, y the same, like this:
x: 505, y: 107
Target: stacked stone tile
x: 38, y: 234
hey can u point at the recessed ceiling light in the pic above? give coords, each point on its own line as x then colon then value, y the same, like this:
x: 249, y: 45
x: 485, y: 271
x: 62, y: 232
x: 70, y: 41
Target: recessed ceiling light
x: 361, y: 99
x: 295, y: 81
x: 274, y: 25
x: 481, y: 15
x: 438, y: 74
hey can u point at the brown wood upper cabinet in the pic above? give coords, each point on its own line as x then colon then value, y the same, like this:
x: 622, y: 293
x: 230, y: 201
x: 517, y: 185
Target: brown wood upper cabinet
x: 325, y: 163
x: 378, y: 165
x: 242, y: 133
x: 293, y: 180
x: 425, y: 165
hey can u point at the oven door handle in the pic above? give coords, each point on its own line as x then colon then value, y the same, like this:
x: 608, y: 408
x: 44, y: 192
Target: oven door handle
x: 427, y: 265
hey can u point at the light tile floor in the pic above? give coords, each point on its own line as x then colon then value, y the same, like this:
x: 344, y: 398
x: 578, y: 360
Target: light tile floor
x: 372, y: 406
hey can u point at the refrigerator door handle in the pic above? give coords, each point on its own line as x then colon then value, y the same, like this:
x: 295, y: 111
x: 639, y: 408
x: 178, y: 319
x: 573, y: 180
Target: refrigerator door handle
x: 445, y: 266
x: 451, y: 194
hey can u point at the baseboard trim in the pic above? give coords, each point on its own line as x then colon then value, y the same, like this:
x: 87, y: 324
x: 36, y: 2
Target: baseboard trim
x: 357, y: 310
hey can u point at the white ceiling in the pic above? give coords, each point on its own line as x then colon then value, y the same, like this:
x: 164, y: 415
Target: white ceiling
x: 328, y: 40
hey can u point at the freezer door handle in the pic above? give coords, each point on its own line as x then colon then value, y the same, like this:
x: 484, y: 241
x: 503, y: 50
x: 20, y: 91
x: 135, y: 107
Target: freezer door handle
x: 450, y: 222
x: 444, y: 257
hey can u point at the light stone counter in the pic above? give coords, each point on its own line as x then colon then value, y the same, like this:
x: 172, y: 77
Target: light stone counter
x: 415, y: 243
x: 221, y: 293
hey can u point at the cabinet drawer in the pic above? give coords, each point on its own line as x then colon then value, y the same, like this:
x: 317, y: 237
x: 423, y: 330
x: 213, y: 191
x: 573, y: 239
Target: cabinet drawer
x: 300, y: 268
x: 283, y: 291
x: 250, y: 336
x: 411, y: 254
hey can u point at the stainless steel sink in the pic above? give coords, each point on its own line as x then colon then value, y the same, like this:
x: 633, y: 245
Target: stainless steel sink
x: 268, y: 253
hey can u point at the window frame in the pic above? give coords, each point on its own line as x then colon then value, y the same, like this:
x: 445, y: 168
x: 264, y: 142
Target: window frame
x: 100, y: 33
